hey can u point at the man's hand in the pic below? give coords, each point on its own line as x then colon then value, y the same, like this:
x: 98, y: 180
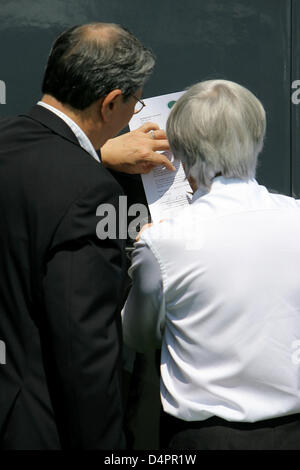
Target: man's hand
x: 145, y: 227
x: 142, y: 230
x: 137, y: 151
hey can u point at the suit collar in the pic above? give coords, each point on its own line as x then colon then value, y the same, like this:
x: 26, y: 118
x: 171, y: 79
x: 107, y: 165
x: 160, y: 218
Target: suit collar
x: 48, y: 119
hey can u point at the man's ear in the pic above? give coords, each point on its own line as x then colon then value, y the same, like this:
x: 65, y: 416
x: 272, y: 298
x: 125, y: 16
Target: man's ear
x: 109, y: 104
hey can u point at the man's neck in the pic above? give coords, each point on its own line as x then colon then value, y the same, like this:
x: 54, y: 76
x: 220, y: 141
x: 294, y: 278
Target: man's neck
x: 85, y: 119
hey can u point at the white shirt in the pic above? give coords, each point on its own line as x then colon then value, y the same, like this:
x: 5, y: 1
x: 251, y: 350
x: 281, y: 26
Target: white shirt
x: 220, y: 287
x: 83, y: 139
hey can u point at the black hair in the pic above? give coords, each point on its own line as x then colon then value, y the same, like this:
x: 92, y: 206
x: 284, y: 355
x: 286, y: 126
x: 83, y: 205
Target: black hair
x: 84, y: 66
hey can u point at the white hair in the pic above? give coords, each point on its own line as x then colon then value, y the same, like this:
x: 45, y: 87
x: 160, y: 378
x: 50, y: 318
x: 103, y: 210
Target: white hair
x: 217, y: 126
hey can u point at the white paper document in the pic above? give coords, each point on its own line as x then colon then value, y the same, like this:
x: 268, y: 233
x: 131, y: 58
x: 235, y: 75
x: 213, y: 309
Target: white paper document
x: 166, y: 191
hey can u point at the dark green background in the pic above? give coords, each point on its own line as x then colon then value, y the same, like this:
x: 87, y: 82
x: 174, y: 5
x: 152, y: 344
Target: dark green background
x: 253, y: 42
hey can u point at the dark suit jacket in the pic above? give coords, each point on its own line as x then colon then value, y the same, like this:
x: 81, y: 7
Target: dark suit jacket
x: 61, y: 291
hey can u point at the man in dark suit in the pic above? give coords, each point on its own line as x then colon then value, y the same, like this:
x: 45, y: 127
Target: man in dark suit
x: 61, y: 286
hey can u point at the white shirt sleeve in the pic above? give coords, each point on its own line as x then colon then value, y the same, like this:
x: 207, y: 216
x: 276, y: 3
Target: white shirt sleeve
x: 143, y: 315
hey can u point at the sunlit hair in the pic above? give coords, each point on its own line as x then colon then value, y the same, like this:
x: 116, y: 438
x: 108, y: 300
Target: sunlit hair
x: 88, y: 61
x: 217, y: 126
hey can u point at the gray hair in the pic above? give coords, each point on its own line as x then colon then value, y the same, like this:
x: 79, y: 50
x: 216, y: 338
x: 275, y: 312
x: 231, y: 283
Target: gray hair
x: 217, y: 126
x: 86, y: 62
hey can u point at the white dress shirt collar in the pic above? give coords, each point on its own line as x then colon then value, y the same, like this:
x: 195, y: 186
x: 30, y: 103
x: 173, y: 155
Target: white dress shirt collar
x: 83, y: 139
x: 220, y: 182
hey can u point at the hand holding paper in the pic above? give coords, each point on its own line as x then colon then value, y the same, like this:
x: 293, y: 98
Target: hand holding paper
x: 165, y: 191
x: 137, y: 151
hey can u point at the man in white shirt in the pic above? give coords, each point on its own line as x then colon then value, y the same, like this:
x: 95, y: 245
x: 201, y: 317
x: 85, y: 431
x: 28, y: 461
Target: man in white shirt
x: 217, y: 287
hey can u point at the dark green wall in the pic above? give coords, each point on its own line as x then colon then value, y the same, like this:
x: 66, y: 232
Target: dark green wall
x: 295, y: 101
x: 253, y: 42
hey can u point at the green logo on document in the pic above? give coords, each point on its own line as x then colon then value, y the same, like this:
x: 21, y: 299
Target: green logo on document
x: 171, y: 103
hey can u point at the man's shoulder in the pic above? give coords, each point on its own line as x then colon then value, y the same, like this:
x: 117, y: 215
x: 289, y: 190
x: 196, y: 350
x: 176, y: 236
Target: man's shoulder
x: 73, y: 172
x: 48, y: 172
x: 39, y: 150
x: 284, y: 201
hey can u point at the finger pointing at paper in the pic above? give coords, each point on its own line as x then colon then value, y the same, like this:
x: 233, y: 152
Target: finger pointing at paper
x: 137, y: 151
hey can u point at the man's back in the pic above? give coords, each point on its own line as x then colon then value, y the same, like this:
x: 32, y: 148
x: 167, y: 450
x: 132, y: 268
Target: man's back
x: 230, y: 267
x: 56, y: 277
